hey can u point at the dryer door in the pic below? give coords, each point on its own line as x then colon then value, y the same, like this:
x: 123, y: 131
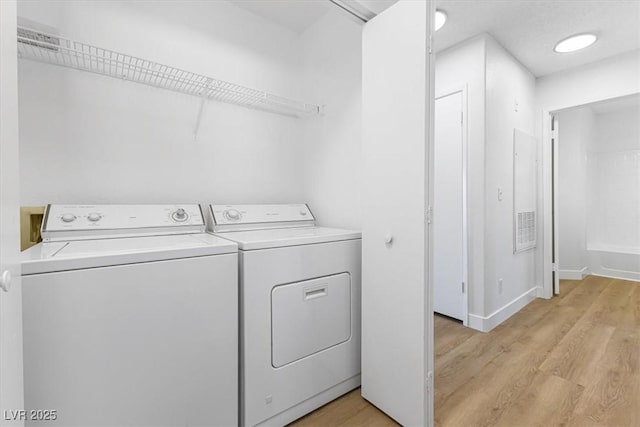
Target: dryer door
x: 309, y: 316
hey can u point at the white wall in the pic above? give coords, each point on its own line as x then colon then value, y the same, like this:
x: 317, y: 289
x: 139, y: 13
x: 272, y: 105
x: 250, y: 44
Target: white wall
x: 459, y: 66
x: 136, y: 144
x: 508, y: 83
x: 599, y: 193
x: 495, y: 82
x: 577, y: 133
x: 613, y: 202
x: 332, y: 69
x: 87, y: 138
x: 610, y: 78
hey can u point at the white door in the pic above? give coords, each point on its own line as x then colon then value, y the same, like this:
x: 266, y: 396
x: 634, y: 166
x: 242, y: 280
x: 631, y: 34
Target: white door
x: 448, y: 208
x: 11, y: 389
x: 397, y: 334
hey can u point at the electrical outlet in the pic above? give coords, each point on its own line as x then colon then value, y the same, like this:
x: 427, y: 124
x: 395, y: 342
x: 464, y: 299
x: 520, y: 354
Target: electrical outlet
x: 499, y: 286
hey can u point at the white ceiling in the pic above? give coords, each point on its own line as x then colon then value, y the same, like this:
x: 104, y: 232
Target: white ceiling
x: 296, y: 15
x: 376, y: 6
x: 530, y: 29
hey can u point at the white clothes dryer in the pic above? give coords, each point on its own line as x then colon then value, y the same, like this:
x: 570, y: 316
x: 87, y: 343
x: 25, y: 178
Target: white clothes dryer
x: 300, y: 309
x: 130, y: 318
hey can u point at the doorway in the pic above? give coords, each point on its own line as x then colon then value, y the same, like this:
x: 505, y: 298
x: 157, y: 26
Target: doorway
x: 595, y: 159
x: 450, y: 235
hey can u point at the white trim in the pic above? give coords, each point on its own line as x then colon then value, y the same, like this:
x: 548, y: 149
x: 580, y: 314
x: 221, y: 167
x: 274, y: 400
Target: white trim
x: 463, y: 89
x: 574, y: 274
x: 485, y: 324
x: 626, y: 250
x: 632, y: 276
x: 556, y: 204
x: 429, y: 346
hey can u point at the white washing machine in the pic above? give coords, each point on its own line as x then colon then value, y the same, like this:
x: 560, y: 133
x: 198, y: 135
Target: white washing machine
x: 300, y: 309
x: 130, y: 318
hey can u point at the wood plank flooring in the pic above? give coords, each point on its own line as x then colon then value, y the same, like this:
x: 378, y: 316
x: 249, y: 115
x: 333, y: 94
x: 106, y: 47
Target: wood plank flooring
x: 573, y: 360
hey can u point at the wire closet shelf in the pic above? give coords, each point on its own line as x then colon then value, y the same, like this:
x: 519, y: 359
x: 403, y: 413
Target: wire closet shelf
x: 38, y: 46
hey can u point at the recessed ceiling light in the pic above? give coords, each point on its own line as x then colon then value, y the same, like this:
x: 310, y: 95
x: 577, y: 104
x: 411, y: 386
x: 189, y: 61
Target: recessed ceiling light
x: 441, y: 18
x: 573, y: 43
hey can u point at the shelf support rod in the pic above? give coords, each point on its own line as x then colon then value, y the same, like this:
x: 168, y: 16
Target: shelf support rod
x: 199, y: 118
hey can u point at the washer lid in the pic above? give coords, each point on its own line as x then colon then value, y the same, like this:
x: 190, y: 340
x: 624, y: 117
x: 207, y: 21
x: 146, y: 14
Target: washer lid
x: 281, y: 237
x: 72, y: 255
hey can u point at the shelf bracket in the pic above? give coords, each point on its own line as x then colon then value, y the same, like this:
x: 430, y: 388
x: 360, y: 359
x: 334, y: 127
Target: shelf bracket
x: 199, y: 118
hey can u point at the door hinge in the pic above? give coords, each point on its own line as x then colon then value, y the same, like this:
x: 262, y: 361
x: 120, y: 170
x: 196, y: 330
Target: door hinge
x: 462, y: 287
x: 554, y: 267
x: 430, y: 44
x: 429, y: 214
x: 429, y: 382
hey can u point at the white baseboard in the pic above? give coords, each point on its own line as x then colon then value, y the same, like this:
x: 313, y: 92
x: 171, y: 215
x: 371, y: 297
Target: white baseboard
x: 632, y: 276
x: 485, y: 324
x: 574, y: 274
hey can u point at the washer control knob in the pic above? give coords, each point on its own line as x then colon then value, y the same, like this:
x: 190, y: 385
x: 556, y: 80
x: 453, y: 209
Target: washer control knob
x: 232, y: 214
x: 94, y: 217
x: 179, y: 215
x: 68, y: 217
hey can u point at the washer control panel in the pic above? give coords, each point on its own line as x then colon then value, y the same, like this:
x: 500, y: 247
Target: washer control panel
x: 121, y: 219
x: 261, y: 216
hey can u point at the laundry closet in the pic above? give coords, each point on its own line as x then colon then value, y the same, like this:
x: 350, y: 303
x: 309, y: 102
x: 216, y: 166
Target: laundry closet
x: 210, y: 103
x: 115, y: 140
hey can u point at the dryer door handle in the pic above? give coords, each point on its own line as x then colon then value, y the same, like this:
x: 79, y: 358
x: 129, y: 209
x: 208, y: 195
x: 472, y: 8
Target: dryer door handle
x: 316, y: 292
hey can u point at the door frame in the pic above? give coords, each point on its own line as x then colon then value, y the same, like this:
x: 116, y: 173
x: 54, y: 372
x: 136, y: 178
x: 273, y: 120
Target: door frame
x: 11, y: 364
x: 555, y: 215
x: 549, y: 177
x: 462, y: 89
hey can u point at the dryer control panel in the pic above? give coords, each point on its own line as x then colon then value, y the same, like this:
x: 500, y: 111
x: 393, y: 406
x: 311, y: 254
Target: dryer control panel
x: 74, y: 222
x: 256, y: 217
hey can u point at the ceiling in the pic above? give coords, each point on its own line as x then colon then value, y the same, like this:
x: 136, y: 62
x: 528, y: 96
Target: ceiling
x: 376, y: 6
x: 296, y: 15
x: 528, y: 29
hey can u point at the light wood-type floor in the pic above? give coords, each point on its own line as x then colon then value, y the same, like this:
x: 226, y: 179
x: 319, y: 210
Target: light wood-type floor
x: 573, y: 360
